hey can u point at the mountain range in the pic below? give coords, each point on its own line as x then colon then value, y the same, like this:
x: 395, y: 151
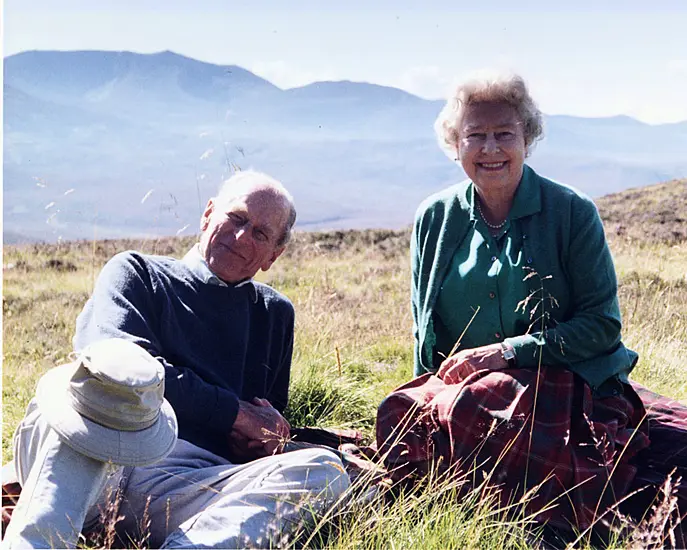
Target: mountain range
x: 119, y: 144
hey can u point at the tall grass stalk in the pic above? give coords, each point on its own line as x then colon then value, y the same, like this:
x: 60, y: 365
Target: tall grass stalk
x: 360, y: 307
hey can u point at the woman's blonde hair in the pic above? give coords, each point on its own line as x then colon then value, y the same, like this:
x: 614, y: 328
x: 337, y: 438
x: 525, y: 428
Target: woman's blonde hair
x: 498, y: 88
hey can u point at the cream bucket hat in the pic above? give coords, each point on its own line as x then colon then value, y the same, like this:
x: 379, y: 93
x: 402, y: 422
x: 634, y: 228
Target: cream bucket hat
x: 109, y: 404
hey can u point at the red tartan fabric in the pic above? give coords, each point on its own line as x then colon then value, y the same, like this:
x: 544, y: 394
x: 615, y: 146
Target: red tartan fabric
x: 10, y: 497
x: 668, y: 433
x: 667, y: 456
x: 577, y: 444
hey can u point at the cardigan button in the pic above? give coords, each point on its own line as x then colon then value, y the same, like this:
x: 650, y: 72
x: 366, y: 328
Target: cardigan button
x: 492, y: 295
x: 498, y: 335
x: 493, y: 258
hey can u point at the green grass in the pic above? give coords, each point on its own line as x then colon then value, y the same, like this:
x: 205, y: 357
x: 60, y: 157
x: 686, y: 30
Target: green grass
x: 353, y: 345
x: 437, y: 514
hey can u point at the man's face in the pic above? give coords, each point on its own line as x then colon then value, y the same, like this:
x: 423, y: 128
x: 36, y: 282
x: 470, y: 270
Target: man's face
x: 240, y: 235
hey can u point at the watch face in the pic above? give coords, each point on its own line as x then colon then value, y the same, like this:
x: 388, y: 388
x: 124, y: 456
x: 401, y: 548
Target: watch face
x: 508, y: 354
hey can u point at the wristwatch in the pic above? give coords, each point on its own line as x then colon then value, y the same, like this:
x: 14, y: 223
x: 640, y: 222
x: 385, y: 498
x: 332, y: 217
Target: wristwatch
x: 508, y: 354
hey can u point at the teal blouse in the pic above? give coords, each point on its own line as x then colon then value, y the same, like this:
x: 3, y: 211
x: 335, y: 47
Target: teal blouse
x: 485, y: 279
x: 554, y: 252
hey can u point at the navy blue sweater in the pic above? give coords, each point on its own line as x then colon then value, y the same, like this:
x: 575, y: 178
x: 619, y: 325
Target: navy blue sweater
x: 218, y: 343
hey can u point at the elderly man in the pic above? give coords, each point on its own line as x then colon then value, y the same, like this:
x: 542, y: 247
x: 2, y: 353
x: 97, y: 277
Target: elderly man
x: 225, y: 342
x: 223, y: 338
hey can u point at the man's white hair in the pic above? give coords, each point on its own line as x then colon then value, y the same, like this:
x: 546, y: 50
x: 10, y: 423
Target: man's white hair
x: 240, y: 182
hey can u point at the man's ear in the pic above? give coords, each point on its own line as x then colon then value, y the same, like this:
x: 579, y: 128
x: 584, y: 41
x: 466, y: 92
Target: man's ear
x: 205, y: 218
x: 273, y: 258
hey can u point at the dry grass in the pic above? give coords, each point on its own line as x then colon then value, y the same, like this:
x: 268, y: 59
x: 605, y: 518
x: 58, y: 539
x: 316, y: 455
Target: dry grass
x: 353, y: 341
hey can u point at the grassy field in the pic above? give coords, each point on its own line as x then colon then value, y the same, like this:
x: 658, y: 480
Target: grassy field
x: 353, y: 339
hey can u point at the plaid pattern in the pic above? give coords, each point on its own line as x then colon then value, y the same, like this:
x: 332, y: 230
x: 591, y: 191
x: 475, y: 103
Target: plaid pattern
x: 10, y: 497
x: 668, y: 433
x: 667, y: 455
x: 578, y: 455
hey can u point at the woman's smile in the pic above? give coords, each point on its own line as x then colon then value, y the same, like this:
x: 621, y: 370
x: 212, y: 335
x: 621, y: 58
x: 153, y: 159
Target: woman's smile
x: 491, y: 165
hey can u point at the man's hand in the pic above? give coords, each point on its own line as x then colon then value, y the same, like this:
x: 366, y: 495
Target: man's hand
x: 459, y: 366
x: 259, y: 429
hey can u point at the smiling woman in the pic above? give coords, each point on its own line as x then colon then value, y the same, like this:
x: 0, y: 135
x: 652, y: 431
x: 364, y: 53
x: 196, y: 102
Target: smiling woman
x: 490, y: 126
x: 516, y: 321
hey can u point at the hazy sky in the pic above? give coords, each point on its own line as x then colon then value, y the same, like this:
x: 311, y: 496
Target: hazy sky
x: 625, y: 58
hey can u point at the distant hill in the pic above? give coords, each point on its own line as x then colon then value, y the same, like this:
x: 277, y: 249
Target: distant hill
x: 89, y: 135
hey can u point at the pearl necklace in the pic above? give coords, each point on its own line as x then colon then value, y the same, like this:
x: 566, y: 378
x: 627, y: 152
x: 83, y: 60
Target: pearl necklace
x: 484, y: 219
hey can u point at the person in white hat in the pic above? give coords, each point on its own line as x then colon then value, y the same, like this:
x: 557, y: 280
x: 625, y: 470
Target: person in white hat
x: 223, y: 338
x: 224, y: 342
x: 90, y: 417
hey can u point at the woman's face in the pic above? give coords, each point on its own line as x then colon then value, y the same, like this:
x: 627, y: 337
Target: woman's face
x: 491, y: 146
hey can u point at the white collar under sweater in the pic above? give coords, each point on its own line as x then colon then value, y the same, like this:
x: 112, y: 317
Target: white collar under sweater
x: 197, y: 264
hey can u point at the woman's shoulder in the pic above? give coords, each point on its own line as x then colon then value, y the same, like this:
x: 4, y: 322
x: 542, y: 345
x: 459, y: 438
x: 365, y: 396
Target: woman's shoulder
x: 555, y: 190
x: 445, y: 199
x: 565, y: 205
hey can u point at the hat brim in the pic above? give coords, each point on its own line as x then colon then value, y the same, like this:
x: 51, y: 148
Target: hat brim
x: 95, y: 440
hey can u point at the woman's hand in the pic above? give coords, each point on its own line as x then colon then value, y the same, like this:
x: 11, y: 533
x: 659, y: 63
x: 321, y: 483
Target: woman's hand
x: 459, y: 366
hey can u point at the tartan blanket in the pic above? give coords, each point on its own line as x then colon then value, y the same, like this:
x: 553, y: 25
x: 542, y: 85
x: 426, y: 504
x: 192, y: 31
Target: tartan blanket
x: 10, y: 496
x: 668, y: 434
x: 666, y: 457
x: 538, y: 433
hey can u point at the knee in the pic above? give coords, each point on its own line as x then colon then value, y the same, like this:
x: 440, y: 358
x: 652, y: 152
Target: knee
x: 325, y: 470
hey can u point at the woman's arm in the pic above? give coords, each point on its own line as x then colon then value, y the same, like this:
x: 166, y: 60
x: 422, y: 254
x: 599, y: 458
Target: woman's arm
x: 415, y: 253
x: 593, y: 328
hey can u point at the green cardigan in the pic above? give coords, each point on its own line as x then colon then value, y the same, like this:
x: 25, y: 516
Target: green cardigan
x: 564, y: 243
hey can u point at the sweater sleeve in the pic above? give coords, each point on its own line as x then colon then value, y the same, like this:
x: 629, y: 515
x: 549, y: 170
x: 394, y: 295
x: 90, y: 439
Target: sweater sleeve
x: 123, y: 305
x: 593, y: 328
x: 278, y: 392
x: 415, y: 252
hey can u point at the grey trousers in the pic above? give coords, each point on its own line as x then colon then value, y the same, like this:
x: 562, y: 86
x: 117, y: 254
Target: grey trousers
x: 191, y: 499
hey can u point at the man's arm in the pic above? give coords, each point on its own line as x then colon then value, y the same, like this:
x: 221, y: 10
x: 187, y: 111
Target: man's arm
x: 278, y: 391
x: 260, y: 427
x: 123, y: 305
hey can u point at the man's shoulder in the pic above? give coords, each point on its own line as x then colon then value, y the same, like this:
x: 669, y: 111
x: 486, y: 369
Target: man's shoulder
x: 155, y: 272
x: 147, y: 261
x: 272, y: 298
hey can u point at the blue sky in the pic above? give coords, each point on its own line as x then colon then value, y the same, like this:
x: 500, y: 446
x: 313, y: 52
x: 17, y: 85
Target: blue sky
x: 623, y: 58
